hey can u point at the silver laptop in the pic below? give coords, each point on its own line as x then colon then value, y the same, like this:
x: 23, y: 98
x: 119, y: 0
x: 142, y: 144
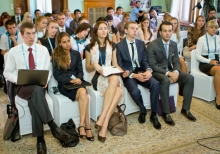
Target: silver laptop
x: 32, y: 77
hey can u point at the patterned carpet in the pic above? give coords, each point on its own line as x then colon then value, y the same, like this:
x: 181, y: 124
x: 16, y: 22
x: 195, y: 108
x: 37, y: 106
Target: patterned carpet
x: 140, y: 139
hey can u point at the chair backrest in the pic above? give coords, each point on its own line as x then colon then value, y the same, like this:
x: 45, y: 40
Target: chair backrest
x: 85, y: 73
x: 183, y: 33
x: 194, y: 61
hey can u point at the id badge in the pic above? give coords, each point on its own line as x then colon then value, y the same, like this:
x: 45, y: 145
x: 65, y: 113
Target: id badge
x: 211, y: 56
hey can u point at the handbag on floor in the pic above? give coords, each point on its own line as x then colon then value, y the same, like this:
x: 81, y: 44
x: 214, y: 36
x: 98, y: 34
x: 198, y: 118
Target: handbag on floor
x: 11, y: 130
x: 118, y: 122
x: 171, y: 106
x: 70, y: 128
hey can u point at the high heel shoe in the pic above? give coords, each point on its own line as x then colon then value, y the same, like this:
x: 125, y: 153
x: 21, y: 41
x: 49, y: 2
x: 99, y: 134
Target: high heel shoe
x: 101, y: 139
x: 81, y: 136
x: 89, y: 138
x: 216, y: 105
x: 98, y: 126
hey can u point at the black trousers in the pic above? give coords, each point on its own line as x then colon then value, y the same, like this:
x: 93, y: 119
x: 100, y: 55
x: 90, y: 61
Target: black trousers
x: 186, y: 82
x: 35, y: 95
x: 152, y: 84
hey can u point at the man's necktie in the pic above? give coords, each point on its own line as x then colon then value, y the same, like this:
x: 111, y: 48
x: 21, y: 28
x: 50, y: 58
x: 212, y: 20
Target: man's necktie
x: 12, y: 44
x: 133, y: 60
x: 31, y: 59
x: 167, y: 52
x: 18, y: 20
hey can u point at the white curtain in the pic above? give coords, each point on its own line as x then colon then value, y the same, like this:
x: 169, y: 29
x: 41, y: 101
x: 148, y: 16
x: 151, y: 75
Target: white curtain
x: 44, y: 5
x: 174, y: 11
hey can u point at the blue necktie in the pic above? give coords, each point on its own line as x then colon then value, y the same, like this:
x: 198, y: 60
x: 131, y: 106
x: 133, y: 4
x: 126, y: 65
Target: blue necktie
x: 167, y: 52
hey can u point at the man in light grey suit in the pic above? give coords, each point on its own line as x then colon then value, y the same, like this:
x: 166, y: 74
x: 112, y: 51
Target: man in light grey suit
x: 164, y: 60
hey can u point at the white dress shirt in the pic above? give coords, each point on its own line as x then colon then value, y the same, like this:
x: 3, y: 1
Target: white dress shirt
x: 62, y: 29
x: 18, y: 59
x: 135, y: 51
x: 159, y: 20
x: 202, y: 48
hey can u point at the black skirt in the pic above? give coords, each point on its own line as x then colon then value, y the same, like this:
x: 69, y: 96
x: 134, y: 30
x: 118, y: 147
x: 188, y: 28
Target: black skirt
x: 204, y: 67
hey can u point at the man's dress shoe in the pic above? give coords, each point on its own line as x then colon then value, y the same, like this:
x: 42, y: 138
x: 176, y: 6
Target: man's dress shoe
x: 41, y: 148
x: 142, y: 118
x: 167, y: 118
x: 155, y: 122
x: 188, y: 115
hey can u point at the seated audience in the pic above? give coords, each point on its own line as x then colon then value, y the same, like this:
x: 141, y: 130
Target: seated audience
x: 54, y: 15
x: 61, y: 20
x: 101, y: 52
x: 112, y: 32
x: 37, y: 13
x: 211, y: 13
x: 116, y: 20
x: 164, y: 60
x: 144, y: 33
x: 207, y: 53
x: 41, y: 23
x: 193, y: 35
x: 75, y: 23
x: 30, y: 55
x: 67, y: 69
x: 177, y: 39
x: 118, y: 12
x: 27, y: 18
x: 49, y: 16
x: 132, y: 58
x: 68, y: 17
x: 81, y: 39
x: 49, y: 39
x: 120, y: 27
x: 3, y: 30
x: 157, y: 20
x: 17, y: 17
x: 11, y: 37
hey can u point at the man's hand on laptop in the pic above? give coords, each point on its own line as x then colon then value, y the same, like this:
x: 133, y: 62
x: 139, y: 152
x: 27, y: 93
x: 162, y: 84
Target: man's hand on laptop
x: 76, y: 81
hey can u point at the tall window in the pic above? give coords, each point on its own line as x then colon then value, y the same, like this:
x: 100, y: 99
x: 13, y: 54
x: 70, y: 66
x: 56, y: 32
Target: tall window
x: 44, y: 5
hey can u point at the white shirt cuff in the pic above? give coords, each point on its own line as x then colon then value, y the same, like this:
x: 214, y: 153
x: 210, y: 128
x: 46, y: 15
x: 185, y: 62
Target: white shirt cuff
x: 177, y: 72
x: 130, y: 76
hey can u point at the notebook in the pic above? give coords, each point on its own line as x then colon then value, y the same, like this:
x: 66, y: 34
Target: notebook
x: 32, y: 77
x: 72, y: 86
x: 110, y: 70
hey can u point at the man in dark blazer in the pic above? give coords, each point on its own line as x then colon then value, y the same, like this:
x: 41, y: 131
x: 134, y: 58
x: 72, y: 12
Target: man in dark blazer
x: 132, y: 58
x: 17, y: 17
x: 61, y: 20
x: 167, y: 70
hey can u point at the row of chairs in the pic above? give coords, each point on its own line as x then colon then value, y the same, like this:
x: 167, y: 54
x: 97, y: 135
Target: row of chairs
x: 62, y: 108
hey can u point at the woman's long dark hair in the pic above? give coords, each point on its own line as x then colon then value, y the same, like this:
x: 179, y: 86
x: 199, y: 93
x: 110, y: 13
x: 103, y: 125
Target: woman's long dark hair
x: 148, y: 28
x: 95, y: 36
x: 59, y: 55
x: 82, y: 27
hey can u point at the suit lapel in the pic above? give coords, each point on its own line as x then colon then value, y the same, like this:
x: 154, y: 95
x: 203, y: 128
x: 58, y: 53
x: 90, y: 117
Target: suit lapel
x: 138, y: 50
x: 126, y: 50
x: 162, y: 47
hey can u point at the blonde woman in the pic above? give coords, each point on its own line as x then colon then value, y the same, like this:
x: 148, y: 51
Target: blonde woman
x: 27, y: 18
x: 68, y: 17
x: 177, y: 38
x: 207, y: 53
x: 41, y: 24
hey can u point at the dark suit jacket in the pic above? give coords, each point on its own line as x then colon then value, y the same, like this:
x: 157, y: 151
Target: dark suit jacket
x: 124, y: 58
x: 157, y: 56
x: 69, y: 31
x: 13, y: 17
x: 64, y: 77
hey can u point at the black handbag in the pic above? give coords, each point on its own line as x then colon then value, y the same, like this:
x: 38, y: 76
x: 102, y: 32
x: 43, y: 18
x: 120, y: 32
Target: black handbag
x: 11, y: 130
x: 70, y: 128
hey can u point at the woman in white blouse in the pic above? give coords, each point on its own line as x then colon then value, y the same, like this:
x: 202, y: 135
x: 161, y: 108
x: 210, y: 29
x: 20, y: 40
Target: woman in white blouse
x: 81, y: 39
x: 144, y: 32
x: 207, y: 53
x: 176, y: 37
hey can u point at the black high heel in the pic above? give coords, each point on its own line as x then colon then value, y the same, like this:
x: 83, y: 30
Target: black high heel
x: 216, y: 105
x: 98, y: 126
x: 89, y: 138
x: 101, y: 139
x: 81, y: 136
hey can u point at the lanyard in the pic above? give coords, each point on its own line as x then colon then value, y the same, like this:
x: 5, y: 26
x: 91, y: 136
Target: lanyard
x: 100, y: 57
x: 9, y: 41
x: 208, y: 44
x: 51, y: 44
x: 35, y: 62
